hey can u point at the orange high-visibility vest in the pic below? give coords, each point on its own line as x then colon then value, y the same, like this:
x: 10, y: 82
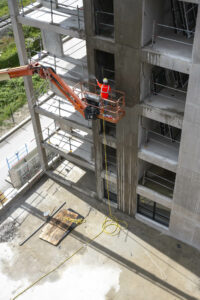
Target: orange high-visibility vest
x: 105, y: 89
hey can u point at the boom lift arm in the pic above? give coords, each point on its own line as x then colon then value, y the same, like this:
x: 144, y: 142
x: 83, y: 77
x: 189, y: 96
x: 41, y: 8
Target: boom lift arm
x: 87, y: 105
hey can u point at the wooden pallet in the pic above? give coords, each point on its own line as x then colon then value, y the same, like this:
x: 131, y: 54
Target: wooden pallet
x: 59, y: 227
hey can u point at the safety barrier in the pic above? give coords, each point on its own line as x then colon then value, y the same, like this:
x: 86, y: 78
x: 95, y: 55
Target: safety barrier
x: 170, y: 34
x: 71, y: 10
x: 20, y: 154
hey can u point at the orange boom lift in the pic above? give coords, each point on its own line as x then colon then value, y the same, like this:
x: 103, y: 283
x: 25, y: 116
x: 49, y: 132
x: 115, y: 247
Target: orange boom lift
x: 89, y: 104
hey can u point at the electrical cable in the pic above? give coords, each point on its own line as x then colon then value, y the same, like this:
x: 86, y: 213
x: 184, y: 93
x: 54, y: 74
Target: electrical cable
x: 110, y: 221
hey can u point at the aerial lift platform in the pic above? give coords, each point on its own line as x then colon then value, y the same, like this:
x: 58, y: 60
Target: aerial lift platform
x: 84, y: 96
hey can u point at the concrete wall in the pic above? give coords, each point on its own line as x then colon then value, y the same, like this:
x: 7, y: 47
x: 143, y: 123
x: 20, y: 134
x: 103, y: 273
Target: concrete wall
x: 26, y: 168
x: 185, y: 217
x: 126, y: 50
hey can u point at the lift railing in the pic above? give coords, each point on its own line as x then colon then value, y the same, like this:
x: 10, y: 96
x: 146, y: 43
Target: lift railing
x: 112, y: 108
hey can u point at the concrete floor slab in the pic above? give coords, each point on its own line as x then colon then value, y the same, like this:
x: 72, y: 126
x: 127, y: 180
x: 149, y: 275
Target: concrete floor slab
x: 139, y: 263
x: 171, y: 54
x: 65, y: 68
x: 161, y: 152
x: 167, y: 107
x: 66, y: 17
x: 76, y: 49
x: 63, y: 108
x: 67, y: 143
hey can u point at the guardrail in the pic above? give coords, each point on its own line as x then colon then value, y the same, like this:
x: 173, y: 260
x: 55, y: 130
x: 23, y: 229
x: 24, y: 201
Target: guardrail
x: 20, y: 154
x: 158, y: 34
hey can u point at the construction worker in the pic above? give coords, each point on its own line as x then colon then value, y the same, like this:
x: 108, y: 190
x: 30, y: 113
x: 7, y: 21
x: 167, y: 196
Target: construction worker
x: 105, y: 89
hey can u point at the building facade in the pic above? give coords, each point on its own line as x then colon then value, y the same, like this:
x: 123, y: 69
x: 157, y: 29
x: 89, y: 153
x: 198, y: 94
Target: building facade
x: 150, y: 50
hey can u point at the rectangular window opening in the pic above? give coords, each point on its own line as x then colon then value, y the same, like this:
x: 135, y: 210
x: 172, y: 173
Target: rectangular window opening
x: 153, y: 210
x: 110, y: 129
x: 104, y: 18
x: 111, y: 159
x: 112, y: 191
x: 157, y: 179
x: 105, y: 66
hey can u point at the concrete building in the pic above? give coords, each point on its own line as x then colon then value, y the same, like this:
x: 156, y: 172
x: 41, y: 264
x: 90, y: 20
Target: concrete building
x: 150, y: 50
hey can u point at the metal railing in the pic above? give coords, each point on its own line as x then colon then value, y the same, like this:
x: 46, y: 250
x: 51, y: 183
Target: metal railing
x: 169, y: 92
x: 158, y: 34
x: 75, y: 11
x: 151, y: 135
x: 22, y: 7
x: 112, y: 108
x: 154, y: 178
x: 19, y: 155
x: 67, y: 143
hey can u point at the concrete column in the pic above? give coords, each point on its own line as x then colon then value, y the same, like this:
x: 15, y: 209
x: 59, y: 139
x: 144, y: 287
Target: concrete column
x: 127, y: 149
x: 98, y: 159
x: 126, y: 49
x: 20, y: 43
x: 185, y: 216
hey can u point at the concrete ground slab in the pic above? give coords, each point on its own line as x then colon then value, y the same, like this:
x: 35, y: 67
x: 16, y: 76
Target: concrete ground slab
x: 139, y: 263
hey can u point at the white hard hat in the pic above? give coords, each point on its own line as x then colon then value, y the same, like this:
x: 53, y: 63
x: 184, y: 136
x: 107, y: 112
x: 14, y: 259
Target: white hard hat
x: 105, y: 80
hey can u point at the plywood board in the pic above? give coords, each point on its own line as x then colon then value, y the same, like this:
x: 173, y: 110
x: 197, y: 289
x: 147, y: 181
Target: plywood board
x: 58, y: 227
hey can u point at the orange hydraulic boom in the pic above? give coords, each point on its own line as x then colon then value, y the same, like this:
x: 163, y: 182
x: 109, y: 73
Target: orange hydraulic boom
x: 88, y: 104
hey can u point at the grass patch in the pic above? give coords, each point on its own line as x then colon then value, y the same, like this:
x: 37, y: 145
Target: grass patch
x: 8, y: 51
x: 13, y: 95
x: 4, y: 6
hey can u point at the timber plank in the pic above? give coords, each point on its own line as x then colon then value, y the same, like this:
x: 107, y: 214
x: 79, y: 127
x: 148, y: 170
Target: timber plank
x: 58, y: 227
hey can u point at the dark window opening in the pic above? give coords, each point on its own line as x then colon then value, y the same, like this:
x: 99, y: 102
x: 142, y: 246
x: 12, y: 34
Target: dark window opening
x: 184, y: 17
x: 112, y: 195
x: 164, y: 78
x: 110, y: 158
x: 104, y: 18
x: 110, y: 128
x: 153, y: 210
x: 105, y: 66
x: 155, y: 129
x: 158, y: 179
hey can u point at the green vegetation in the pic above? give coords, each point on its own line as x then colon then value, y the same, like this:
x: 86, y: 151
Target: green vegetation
x: 8, y: 50
x: 12, y: 93
x: 4, y: 6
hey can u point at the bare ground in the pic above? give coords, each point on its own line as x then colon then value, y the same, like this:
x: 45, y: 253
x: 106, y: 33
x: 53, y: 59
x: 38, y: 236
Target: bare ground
x: 18, y: 116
